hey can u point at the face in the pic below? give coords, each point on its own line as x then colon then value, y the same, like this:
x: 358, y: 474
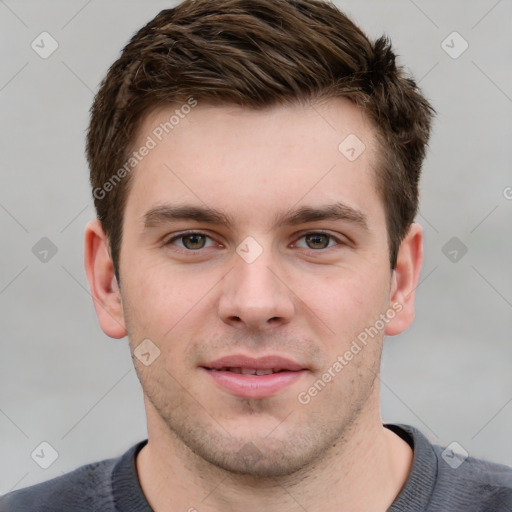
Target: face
x: 254, y: 243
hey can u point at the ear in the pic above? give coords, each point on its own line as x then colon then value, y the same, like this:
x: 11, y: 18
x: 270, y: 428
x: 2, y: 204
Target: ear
x: 405, y: 280
x: 102, y: 281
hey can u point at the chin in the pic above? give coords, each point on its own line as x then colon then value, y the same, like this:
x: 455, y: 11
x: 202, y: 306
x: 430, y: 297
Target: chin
x: 257, y: 453
x: 251, y: 443
x: 259, y: 459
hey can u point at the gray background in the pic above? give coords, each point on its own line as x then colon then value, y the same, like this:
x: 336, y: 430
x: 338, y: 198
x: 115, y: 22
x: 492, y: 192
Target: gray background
x: 64, y: 382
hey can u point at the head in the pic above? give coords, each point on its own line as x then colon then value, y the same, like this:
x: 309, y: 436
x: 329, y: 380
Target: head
x: 236, y: 53
x: 284, y: 109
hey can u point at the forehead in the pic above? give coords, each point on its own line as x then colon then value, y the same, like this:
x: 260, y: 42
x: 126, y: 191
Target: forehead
x: 244, y: 161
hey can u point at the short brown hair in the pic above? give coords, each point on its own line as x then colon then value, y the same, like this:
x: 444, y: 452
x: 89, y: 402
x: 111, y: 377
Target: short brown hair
x: 254, y: 54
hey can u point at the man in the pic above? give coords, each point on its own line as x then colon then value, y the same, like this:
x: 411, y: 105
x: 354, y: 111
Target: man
x: 255, y: 169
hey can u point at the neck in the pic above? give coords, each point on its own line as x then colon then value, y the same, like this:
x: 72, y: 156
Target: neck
x: 364, y: 472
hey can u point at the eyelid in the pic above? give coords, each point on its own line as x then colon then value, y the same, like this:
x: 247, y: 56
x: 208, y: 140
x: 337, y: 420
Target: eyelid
x: 338, y: 239
x: 183, y: 234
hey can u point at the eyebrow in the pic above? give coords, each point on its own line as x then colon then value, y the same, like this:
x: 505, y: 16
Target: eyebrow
x: 164, y: 214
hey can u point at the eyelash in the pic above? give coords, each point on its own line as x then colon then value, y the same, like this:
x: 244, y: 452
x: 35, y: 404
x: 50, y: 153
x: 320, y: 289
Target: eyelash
x: 191, y: 233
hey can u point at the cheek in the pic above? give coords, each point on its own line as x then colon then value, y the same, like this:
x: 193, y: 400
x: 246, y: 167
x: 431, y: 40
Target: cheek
x: 153, y: 304
x: 166, y: 306
x: 347, y: 304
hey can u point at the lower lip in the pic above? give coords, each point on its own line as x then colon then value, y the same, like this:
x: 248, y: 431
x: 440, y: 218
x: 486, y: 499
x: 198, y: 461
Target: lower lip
x: 254, y: 386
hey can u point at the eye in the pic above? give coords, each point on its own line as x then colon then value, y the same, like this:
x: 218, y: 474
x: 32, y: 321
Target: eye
x: 319, y: 240
x: 190, y: 241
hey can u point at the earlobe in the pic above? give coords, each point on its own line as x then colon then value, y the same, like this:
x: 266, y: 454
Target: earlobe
x: 405, y: 280
x: 102, y: 281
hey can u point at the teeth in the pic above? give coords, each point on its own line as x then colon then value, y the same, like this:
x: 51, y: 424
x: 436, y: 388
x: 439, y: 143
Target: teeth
x: 264, y: 372
x: 247, y: 371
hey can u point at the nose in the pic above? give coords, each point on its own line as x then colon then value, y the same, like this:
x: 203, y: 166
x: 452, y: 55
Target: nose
x: 255, y: 296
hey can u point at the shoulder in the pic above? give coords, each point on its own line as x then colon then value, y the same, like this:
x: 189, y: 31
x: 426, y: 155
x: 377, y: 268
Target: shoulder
x: 479, y: 484
x: 87, y: 488
x: 447, y: 478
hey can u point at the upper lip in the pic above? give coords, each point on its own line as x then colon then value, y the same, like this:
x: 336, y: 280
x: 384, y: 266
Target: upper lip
x: 270, y: 362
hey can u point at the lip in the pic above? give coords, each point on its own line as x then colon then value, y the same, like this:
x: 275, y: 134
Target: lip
x: 254, y: 386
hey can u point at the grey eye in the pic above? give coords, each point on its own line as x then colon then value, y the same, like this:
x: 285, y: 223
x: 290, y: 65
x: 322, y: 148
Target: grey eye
x: 317, y: 240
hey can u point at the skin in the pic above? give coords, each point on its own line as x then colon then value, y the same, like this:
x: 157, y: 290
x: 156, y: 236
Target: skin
x: 301, y: 300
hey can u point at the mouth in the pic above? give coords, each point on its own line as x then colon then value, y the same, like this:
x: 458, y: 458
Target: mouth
x: 247, y: 377
x: 248, y: 371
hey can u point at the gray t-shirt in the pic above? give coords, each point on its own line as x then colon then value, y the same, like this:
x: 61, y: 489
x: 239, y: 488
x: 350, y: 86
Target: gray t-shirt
x: 436, y: 483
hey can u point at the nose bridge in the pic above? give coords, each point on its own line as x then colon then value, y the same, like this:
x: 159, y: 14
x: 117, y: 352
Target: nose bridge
x: 253, y: 294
